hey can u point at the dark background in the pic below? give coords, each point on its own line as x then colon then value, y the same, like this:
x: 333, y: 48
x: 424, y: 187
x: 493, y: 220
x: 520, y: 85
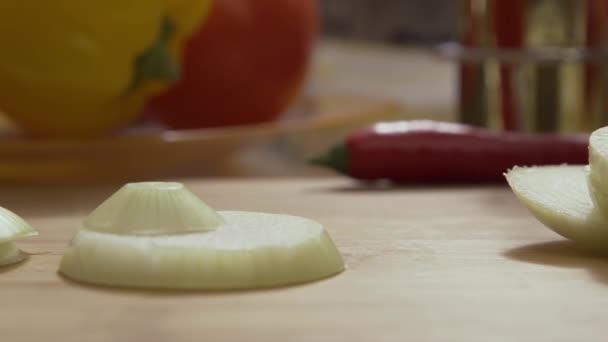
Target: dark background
x: 392, y: 21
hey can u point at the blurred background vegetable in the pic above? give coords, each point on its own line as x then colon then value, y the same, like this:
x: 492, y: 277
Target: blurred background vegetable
x: 246, y: 65
x: 439, y: 152
x: 78, y: 69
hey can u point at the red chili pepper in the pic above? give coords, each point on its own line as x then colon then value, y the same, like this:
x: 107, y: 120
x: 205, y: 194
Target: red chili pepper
x: 436, y: 152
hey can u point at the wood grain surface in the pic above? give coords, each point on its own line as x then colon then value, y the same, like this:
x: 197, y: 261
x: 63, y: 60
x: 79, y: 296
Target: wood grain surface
x: 424, y: 264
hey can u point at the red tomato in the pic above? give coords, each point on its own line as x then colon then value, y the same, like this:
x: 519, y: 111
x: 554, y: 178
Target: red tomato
x: 246, y: 65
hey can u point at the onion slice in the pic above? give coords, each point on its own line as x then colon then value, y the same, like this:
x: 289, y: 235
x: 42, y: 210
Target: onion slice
x: 10, y: 254
x: 598, y: 168
x: 160, y: 235
x: 249, y: 250
x: 560, y: 198
x: 12, y: 227
x: 152, y: 208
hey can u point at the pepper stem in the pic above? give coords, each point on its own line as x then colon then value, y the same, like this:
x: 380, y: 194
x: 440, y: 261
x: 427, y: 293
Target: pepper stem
x: 336, y: 158
x: 157, y: 63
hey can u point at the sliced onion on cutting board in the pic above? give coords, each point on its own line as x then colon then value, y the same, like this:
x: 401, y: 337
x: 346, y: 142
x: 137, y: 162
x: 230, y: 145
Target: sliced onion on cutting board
x: 559, y: 197
x: 190, y: 246
x: 10, y: 254
x: 152, y: 208
x: 12, y: 227
x: 598, y: 167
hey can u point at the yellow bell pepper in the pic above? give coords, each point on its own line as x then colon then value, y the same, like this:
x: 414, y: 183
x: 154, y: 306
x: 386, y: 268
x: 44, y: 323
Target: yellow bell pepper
x: 74, y: 68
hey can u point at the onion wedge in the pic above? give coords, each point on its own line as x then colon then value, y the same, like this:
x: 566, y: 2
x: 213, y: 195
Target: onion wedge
x: 559, y: 197
x: 12, y: 227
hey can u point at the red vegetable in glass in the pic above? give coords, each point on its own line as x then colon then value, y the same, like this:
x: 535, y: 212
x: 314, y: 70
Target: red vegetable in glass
x: 436, y: 152
x: 509, y: 26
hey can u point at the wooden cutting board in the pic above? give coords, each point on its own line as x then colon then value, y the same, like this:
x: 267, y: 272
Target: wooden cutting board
x: 424, y: 264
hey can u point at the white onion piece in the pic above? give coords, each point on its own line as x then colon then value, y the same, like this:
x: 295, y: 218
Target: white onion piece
x: 598, y: 158
x: 598, y: 168
x: 10, y: 254
x: 250, y: 250
x: 152, y: 208
x: 559, y: 197
x: 13, y: 226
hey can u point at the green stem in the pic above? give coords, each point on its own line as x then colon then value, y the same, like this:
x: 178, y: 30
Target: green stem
x: 336, y: 158
x: 157, y: 63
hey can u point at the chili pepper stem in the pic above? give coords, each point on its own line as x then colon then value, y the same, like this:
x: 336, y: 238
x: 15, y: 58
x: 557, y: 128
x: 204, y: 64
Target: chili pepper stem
x: 336, y: 158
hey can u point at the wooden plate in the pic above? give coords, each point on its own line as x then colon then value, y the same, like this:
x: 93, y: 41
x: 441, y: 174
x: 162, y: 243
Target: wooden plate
x: 152, y: 152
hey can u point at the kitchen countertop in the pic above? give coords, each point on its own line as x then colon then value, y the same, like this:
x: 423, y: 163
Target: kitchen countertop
x: 424, y: 264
